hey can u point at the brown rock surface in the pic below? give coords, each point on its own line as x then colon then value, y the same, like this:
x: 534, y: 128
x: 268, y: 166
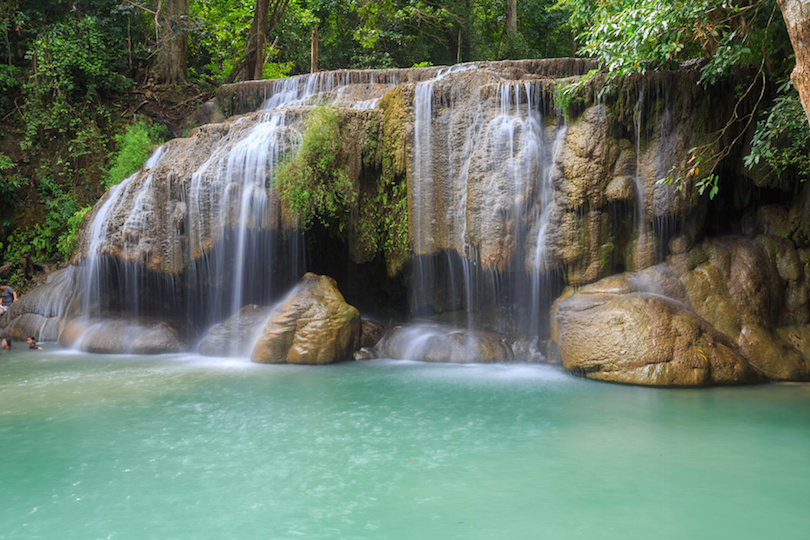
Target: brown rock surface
x: 371, y: 332
x: 313, y: 325
x: 646, y: 339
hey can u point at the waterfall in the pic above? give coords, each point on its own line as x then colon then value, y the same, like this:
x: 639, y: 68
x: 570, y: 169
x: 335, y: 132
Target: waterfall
x: 507, y: 199
x: 222, y: 238
x: 465, y: 145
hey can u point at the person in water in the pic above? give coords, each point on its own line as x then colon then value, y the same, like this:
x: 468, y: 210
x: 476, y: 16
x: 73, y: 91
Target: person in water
x: 7, y: 296
x: 32, y: 343
x: 5, y: 344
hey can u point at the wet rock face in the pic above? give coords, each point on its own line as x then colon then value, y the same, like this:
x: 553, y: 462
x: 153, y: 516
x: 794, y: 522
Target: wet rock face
x: 235, y: 336
x: 479, y: 144
x: 749, y: 292
x: 371, y: 333
x: 111, y: 336
x: 646, y: 339
x: 39, y: 312
x: 443, y: 343
x: 313, y: 325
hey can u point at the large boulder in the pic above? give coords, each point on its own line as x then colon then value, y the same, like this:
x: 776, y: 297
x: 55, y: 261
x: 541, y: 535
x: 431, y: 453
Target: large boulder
x: 122, y: 336
x: 235, y: 336
x: 443, y: 343
x: 751, y: 291
x: 313, y: 325
x: 646, y: 339
x: 39, y: 312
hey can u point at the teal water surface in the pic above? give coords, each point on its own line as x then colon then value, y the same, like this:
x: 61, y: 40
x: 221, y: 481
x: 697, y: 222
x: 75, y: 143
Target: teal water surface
x: 178, y: 446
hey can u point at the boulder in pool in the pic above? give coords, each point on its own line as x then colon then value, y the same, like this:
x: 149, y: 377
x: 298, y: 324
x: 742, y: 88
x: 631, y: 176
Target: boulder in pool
x: 235, y: 336
x: 645, y: 339
x: 122, y: 336
x: 313, y: 325
x: 428, y: 342
x: 371, y: 333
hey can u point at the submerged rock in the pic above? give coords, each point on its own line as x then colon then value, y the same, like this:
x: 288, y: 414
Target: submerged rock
x: 443, y: 343
x: 235, y: 336
x: 313, y: 325
x: 646, y: 339
x: 119, y: 336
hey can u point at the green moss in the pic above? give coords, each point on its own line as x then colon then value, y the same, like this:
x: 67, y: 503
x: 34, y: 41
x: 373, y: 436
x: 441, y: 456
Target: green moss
x: 606, y: 255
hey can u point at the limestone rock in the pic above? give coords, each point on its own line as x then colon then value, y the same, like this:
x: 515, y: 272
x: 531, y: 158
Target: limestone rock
x: 371, y: 333
x: 313, y: 325
x: 365, y: 353
x: 620, y: 188
x: 646, y: 339
x: 235, y: 336
x: 526, y: 349
x: 443, y: 343
x: 39, y: 312
x: 120, y: 336
x: 754, y: 293
x: 779, y: 359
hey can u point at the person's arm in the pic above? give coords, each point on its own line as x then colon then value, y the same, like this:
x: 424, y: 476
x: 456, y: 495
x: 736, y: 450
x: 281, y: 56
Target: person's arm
x: 14, y: 295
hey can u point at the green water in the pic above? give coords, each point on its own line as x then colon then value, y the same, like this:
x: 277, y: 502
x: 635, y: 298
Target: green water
x: 185, y: 447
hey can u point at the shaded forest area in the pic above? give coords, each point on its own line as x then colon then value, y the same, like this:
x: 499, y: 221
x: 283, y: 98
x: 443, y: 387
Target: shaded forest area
x: 89, y: 87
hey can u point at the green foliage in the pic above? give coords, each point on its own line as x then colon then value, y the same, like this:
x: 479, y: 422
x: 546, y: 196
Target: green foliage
x: 631, y: 37
x: 313, y: 183
x: 219, y: 36
x: 11, y: 182
x: 698, y: 166
x: 135, y: 145
x: 69, y: 240
x: 782, y: 137
x: 74, y: 60
x: 392, y: 201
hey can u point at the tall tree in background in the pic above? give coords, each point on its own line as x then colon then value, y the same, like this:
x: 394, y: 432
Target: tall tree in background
x: 266, y: 17
x: 171, y: 31
x: 511, y: 17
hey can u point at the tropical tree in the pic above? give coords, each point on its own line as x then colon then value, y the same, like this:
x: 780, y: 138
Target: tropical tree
x: 795, y: 13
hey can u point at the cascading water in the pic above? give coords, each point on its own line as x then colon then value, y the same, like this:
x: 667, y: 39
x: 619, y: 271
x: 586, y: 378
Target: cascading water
x: 479, y: 145
x: 224, y: 243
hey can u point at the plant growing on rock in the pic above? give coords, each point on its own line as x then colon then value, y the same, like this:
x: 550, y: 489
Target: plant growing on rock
x: 134, y: 146
x: 313, y: 183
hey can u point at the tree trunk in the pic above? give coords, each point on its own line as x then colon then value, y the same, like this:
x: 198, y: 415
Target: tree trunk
x: 171, y: 21
x: 259, y: 38
x: 511, y: 17
x: 266, y: 17
x: 313, y: 61
x: 797, y: 18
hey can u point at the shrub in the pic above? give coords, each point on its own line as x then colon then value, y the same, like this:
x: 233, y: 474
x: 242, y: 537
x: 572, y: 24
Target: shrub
x: 134, y: 147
